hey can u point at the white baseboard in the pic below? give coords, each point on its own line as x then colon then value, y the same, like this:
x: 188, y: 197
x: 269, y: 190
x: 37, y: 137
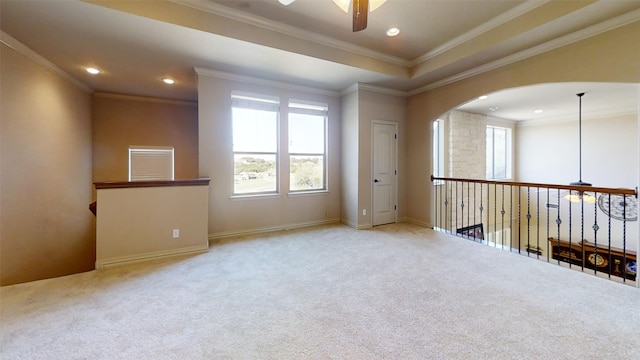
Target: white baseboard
x: 227, y: 234
x: 132, y: 259
x: 349, y: 223
x: 417, y: 222
x: 356, y: 225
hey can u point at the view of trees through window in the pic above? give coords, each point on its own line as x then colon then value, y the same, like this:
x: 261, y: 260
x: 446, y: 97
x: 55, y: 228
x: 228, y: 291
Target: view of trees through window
x: 307, y: 144
x: 256, y: 132
x: 255, y: 144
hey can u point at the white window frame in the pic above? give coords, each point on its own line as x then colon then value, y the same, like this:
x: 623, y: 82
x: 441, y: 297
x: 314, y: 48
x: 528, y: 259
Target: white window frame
x: 490, y: 175
x: 317, y: 109
x: 151, y: 163
x: 438, y: 159
x: 257, y: 102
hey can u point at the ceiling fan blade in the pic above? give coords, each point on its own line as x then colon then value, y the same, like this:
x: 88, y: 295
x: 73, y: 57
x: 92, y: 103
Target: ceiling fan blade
x: 360, y: 13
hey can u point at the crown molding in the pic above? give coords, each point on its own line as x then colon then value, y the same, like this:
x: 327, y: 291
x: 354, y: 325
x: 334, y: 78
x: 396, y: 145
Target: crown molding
x: 579, y: 35
x: 263, y: 82
x: 21, y: 48
x: 373, y: 88
x: 470, y: 35
x: 237, y: 15
x: 144, y: 99
x: 593, y: 116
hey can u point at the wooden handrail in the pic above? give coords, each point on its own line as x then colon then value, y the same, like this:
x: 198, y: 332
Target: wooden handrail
x: 154, y: 183
x: 579, y: 188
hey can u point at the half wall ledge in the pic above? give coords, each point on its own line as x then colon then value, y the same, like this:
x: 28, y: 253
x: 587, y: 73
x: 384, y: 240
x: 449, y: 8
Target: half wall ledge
x: 151, y: 183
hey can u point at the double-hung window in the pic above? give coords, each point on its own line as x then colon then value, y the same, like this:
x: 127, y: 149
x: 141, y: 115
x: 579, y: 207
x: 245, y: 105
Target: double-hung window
x: 307, y: 146
x: 255, y: 143
x: 498, y: 153
x: 438, y: 149
x: 150, y: 163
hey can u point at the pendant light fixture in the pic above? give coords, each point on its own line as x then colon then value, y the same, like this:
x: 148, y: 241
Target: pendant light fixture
x: 577, y: 196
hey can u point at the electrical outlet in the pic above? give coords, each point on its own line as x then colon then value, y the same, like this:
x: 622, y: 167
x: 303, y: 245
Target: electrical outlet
x: 364, y: 211
x: 176, y: 233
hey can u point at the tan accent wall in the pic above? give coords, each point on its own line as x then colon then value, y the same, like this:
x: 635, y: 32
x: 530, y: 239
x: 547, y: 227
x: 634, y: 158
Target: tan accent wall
x: 46, y: 228
x: 120, y: 121
x: 612, y: 56
x: 136, y: 224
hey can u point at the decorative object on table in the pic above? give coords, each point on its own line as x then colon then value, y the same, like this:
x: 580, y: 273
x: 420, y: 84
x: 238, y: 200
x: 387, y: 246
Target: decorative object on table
x: 622, y: 207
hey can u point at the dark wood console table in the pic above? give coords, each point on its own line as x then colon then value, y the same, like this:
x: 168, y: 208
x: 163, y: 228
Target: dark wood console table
x: 612, y: 261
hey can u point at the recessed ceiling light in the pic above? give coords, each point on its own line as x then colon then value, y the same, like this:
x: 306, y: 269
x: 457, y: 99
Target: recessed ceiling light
x: 537, y: 111
x: 483, y: 97
x: 168, y: 81
x: 394, y: 31
x: 92, y: 70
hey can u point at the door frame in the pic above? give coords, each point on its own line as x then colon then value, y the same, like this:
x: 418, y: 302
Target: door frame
x: 395, y: 161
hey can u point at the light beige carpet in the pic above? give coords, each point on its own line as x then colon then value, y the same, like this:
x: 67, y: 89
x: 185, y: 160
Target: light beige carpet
x: 330, y: 292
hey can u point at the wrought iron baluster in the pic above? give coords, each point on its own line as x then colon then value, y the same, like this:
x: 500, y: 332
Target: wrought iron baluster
x: 468, y: 203
x: 548, y: 224
x: 570, y: 233
x: 462, y: 205
x: 474, y: 203
x: 519, y: 215
x: 481, y: 208
x: 624, y: 238
x: 558, y: 222
x: 538, y: 223
x: 511, y: 218
x: 528, y: 217
x: 502, y: 212
x: 582, y: 230
x: 609, y: 225
x: 595, y: 228
x: 456, y: 203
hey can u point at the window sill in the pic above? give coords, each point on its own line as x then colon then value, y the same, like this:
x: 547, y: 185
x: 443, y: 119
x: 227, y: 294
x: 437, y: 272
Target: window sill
x: 308, y: 193
x: 254, y: 197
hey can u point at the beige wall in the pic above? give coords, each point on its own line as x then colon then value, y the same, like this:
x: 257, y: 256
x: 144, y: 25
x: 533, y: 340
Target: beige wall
x: 610, y: 158
x: 612, y: 56
x: 360, y: 108
x: 120, y: 121
x: 137, y: 224
x: 349, y: 159
x: 46, y: 227
x: 232, y: 215
x: 377, y: 106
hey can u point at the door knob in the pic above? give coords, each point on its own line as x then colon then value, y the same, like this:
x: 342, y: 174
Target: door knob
x: 376, y: 180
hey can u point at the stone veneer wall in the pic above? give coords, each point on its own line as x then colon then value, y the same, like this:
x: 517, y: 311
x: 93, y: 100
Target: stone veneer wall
x: 468, y: 143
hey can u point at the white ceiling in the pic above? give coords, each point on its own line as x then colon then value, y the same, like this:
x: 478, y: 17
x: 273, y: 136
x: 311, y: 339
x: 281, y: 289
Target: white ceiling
x: 310, y: 43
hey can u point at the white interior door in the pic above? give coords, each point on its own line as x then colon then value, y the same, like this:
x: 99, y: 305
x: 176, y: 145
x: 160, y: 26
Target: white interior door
x: 384, y: 173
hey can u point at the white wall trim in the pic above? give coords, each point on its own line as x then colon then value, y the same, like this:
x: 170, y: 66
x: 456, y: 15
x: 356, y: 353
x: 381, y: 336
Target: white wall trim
x: 574, y: 119
x: 416, y: 222
x: 227, y: 234
x: 470, y: 35
x: 373, y: 88
x: 263, y: 82
x: 132, y: 259
x: 585, y: 33
x: 349, y: 223
x: 19, y: 47
x: 144, y: 99
x: 233, y: 14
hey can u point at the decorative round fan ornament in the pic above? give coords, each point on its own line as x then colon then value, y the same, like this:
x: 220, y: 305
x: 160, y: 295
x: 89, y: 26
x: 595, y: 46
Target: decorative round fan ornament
x: 622, y: 208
